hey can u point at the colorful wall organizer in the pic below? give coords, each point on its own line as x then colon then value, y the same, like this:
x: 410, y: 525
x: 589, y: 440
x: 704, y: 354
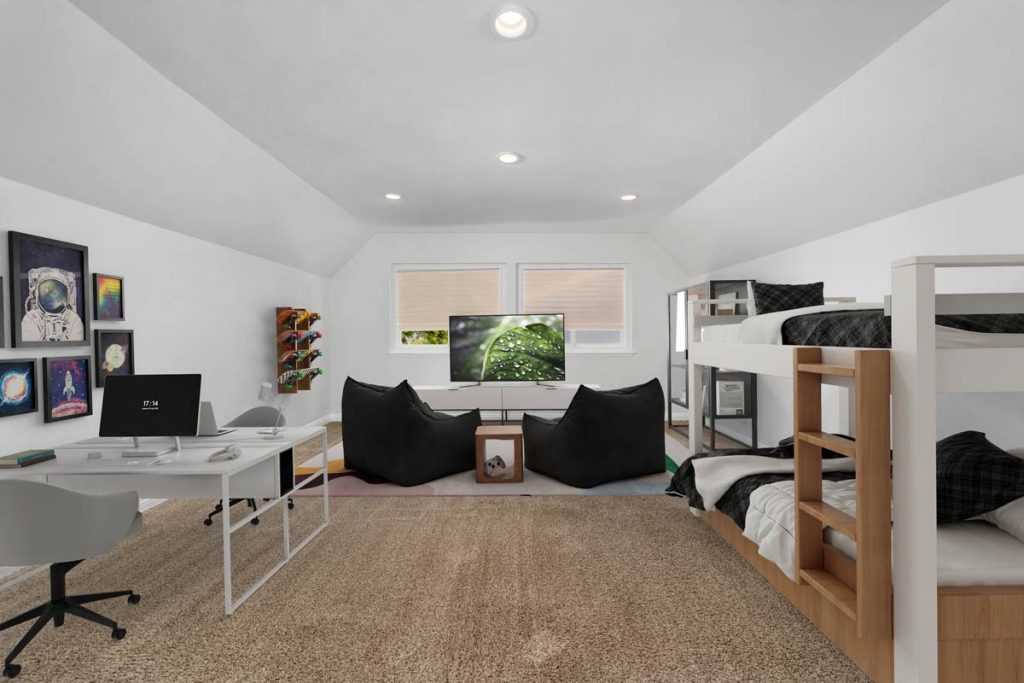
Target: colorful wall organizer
x: 295, y: 349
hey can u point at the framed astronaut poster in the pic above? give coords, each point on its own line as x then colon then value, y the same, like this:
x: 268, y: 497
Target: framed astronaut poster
x: 115, y: 354
x: 66, y: 389
x: 50, y: 291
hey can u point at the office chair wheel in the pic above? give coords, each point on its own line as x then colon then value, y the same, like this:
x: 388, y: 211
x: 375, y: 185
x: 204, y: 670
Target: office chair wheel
x: 12, y: 670
x: 118, y: 633
x: 134, y: 598
x: 207, y: 522
x: 254, y: 521
x: 291, y: 504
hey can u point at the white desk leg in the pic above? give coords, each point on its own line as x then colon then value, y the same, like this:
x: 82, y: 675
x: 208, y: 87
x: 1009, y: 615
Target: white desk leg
x: 327, y: 503
x: 226, y: 526
x: 284, y: 507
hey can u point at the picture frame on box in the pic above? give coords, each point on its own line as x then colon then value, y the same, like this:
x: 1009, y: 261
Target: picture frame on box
x: 108, y: 297
x: 115, y: 354
x: 19, y: 390
x: 67, y: 389
x: 50, y: 292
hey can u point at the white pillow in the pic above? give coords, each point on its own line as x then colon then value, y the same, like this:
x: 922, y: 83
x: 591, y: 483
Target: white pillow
x: 1010, y: 517
x: 751, y: 309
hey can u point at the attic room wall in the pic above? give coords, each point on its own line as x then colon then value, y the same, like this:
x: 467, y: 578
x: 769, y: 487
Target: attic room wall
x: 194, y: 307
x: 360, y: 311
x: 857, y: 263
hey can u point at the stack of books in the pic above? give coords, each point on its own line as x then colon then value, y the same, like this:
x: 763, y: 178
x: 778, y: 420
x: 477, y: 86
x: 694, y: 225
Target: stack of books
x: 26, y: 458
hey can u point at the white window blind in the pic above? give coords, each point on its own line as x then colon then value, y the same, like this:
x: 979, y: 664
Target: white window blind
x: 592, y: 299
x: 425, y: 298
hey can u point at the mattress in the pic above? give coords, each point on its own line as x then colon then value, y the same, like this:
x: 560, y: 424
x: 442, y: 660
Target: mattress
x: 862, y: 326
x: 969, y: 553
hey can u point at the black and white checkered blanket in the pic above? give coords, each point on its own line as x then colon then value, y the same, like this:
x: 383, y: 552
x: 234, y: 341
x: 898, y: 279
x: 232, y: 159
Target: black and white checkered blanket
x: 872, y: 329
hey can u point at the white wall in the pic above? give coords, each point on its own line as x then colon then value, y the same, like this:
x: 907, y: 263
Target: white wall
x: 857, y: 263
x: 194, y: 307
x: 360, y: 311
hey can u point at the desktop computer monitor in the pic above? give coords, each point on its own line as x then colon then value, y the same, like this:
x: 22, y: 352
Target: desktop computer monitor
x: 150, y: 405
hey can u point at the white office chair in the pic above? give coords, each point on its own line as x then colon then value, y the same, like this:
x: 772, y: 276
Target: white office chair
x: 260, y: 416
x: 44, y: 524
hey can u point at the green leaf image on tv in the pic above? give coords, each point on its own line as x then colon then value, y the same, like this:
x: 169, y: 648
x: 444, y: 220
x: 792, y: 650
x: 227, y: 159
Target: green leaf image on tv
x: 507, y: 348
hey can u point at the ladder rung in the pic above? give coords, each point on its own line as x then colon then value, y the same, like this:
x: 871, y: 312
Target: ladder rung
x: 837, y: 444
x: 834, y: 590
x: 826, y: 369
x: 833, y: 517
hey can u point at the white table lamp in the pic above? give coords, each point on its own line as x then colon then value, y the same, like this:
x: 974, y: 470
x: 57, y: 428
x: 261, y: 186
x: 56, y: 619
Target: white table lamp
x: 267, y: 395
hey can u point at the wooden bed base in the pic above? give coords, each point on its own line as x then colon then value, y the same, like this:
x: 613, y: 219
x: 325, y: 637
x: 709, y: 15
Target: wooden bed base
x: 981, y: 628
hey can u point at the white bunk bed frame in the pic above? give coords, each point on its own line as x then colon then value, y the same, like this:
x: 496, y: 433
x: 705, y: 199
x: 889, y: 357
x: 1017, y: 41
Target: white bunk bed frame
x: 919, y: 371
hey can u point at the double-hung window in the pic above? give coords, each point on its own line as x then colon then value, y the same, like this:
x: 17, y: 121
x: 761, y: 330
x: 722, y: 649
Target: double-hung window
x: 423, y: 297
x: 594, y: 298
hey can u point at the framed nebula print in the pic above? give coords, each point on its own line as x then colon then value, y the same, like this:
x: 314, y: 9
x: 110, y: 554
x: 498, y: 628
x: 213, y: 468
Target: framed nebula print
x: 108, y: 297
x: 115, y: 354
x: 66, y: 390
x: 49, y: 291
x: 18, y: 389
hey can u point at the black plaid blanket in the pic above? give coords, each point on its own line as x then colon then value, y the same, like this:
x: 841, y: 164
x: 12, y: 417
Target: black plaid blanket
x: 736, y: 500
x: 872, y: 329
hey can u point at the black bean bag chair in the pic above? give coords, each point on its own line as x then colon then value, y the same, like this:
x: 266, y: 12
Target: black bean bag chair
x: 388, y: 432
x: 603, y: 436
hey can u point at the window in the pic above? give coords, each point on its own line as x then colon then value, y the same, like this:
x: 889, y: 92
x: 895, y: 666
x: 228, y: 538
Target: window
x: 424, y: 297
x: 593, y: 298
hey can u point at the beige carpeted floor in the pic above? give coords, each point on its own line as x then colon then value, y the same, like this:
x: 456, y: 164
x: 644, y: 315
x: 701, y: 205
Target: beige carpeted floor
x: 440, y: 589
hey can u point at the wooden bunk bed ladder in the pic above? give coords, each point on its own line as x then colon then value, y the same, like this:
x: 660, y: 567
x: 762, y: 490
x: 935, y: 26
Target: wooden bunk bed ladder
x: 862, y: 590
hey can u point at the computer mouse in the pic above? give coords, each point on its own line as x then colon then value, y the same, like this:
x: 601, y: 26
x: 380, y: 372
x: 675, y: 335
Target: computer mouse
x: 227, y: 453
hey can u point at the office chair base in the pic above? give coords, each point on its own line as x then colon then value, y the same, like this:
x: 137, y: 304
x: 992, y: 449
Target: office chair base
x: 219, y: 508
x: 61, y: 605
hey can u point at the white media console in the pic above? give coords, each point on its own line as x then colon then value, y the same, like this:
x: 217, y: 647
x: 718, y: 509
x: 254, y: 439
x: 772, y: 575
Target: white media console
x: 503, y: 398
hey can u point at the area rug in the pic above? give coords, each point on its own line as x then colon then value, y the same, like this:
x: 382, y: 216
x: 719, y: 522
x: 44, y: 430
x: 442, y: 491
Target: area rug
x: 345, y: 483
x: 432, y: 589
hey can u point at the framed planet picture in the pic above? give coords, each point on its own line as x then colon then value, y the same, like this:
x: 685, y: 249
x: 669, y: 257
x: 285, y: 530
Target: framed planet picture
x: 115, y: 354
x: 49, y: 291
x: 108, y: 297
x: 18, y: 394
x: 66, y: 390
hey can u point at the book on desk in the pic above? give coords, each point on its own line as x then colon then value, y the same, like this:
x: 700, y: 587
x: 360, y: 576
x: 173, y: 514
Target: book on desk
x: 26, y: 458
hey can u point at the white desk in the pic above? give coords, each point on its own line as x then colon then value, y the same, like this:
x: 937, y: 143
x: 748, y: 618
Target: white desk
x: 265, y: 470
x: 500, y: 397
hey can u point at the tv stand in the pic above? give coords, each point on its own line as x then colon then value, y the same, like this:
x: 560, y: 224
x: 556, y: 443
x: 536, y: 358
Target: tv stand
x: 546, y: 385
x: 466, y: 386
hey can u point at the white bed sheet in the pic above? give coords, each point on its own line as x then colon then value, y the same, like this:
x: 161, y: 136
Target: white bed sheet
x: 969, y: 553
x: 767, y: 329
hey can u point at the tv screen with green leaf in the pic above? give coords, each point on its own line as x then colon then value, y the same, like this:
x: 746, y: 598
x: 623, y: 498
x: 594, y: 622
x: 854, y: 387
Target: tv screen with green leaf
x: 507, y: 348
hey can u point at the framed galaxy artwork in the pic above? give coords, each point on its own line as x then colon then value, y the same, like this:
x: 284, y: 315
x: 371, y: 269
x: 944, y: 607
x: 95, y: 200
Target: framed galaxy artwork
x: 49, y: 291
x: 18, y: 394
x: 115, y: 354
x: 108, y: 297
x: 66, y: 390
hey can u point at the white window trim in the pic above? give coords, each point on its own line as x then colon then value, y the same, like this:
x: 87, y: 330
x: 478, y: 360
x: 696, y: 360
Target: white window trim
x: 626, y: 347
x: 394, y: 337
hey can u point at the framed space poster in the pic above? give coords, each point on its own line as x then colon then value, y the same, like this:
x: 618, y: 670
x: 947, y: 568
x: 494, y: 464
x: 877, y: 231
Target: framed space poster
x: 108, y: 297
x: 18, y: 390
x: 115, y: 354
x: 50, y: 293
x: 66, y: 389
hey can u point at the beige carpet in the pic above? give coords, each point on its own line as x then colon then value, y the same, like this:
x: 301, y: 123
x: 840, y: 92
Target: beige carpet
x: 440, y: 589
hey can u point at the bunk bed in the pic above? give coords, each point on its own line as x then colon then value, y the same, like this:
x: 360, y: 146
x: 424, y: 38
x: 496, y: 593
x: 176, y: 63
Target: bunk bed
x: 885, y: 609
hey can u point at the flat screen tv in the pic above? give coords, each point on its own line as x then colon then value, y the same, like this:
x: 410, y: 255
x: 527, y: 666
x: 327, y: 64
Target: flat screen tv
x: 507, y: 348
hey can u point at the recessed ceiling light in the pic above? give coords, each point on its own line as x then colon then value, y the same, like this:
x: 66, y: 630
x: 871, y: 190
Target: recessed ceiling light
x: 512, y: 23
x: 628, y: 197
x: 393, y: 196
x: 510, y: 158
